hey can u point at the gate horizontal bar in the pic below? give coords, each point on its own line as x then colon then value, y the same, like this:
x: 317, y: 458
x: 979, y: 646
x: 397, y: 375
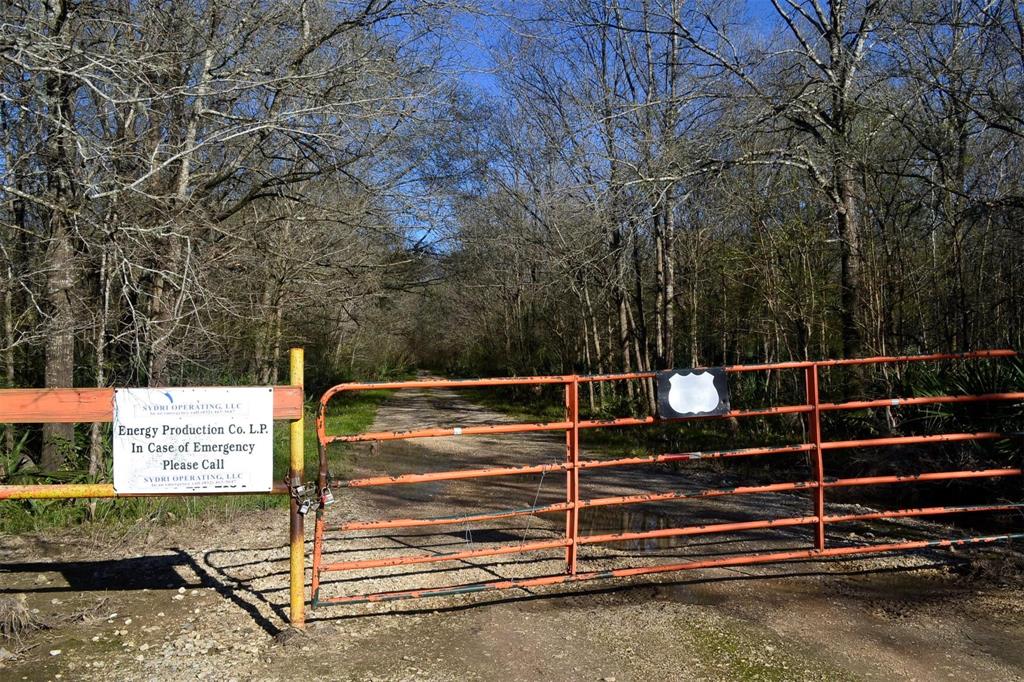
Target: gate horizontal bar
x: 447, y: 475
x: 795, y: 485
x: 689, y: 456
x: 707, y: 529
x: 732, y: 414
x: 710, y: 492
x: 743, y: 560
x: 407, y: 559
x: 931, y: 357
x: 923, y: 511
x: 449, y: 520
x: 447, y: 383
x: 86, y: 405
x: 803, y: 364
x: 921, y: 400
x: 711, y: 529
x: 914, y: 478
x: 448, y: 431
x: 65, y: 491
x: 910, y: 440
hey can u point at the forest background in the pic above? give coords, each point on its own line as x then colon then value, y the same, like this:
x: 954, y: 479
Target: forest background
x: 189, y: 188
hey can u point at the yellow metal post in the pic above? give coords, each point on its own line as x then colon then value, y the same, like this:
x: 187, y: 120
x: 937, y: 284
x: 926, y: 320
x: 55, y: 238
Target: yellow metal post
x: 297, y: 536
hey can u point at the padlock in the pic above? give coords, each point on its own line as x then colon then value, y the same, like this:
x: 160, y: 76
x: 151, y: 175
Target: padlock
x: 328, y: 497
x: 304, y: 507
x: 299, y: 490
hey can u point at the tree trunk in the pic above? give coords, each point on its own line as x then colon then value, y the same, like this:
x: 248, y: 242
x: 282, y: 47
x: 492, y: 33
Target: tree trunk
x: 162, y: 318
x: 659, y: 293
x: 60, y: 340
x: 627, y: 366
x: 9, y: 349
x: 850, y: 263
x: 95, y: 433
x: 276, y: 355
x: 598, y: 353
x: 669, y: 297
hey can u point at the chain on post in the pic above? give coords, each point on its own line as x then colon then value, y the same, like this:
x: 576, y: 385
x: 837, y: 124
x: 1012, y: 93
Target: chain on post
x: 325, y: 495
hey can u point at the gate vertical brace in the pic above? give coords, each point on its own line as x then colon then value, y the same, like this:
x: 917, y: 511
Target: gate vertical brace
x: 318, y: 531
x: 814, y: 431
x: 572, y: 472
x: 318, y: 544
x: 296, y: 530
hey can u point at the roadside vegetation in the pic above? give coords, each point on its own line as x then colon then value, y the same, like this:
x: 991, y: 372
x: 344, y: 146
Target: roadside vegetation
x: 188, y: 189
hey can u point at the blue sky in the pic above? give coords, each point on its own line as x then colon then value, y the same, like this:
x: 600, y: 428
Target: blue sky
x: 482, y: 33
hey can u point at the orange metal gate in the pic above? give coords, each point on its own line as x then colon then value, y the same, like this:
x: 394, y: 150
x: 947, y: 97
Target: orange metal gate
x: 815, y: 446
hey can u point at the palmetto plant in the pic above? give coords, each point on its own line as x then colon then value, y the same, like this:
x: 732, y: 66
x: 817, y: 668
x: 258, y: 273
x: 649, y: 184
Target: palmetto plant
x: 15, y: 464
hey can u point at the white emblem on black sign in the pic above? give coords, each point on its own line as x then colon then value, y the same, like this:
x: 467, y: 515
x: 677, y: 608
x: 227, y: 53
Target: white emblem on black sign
x: 692, y: 393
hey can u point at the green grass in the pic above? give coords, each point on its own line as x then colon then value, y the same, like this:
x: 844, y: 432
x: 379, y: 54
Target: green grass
x: 519, y: 405
x: 348, y: 414
x: 741, y: 654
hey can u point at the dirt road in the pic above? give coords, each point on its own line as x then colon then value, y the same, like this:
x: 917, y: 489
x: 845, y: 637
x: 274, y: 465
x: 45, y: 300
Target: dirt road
x: 206, y: 600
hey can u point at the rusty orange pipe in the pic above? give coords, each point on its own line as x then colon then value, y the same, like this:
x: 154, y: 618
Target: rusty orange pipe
x: 909, y: 440
x: 922, y: 511
x: 689, y: 456
x: 803, y: 364
x: 450, y: 520
x: 733, y: 414
x: 711, y: 492
x: 447, y: 475
x: 406, y: 560
x: 708, y: 529
x: 914, y: 478
x: 449, y: 431
x: 922, y: 400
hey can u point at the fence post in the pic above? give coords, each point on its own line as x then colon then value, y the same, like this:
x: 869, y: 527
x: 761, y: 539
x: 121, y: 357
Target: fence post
x: 814, y: 431
x: 296, y: 531
x: 572, y: 472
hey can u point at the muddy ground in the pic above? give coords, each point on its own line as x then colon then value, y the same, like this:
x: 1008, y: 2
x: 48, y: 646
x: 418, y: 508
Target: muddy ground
x: 208, y: 599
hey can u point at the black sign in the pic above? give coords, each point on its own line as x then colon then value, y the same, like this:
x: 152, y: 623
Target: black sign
x: 692, y: 393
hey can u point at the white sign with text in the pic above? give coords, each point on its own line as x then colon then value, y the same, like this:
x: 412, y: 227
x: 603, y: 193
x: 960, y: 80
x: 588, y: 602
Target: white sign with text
x: 188, y: 440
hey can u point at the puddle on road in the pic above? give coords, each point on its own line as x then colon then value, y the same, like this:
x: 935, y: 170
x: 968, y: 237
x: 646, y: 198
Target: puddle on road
x: 605, y: 520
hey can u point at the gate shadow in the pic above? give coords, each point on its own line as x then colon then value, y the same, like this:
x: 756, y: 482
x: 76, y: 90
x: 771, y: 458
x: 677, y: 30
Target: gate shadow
x: 157, y: 572
x: 164, y: 572
x: 936, y: 561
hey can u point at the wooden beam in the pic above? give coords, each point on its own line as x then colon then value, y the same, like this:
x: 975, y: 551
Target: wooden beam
x: 85, y: 405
